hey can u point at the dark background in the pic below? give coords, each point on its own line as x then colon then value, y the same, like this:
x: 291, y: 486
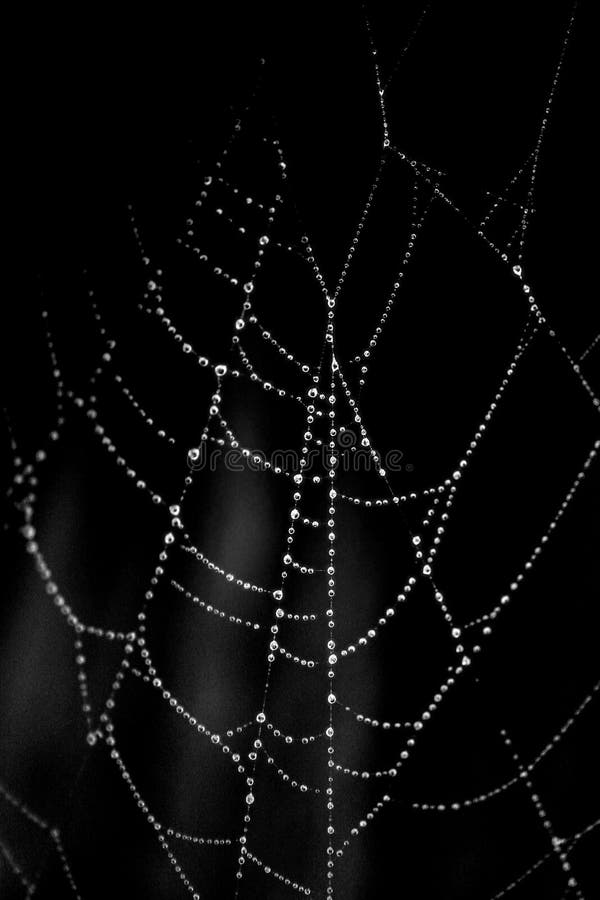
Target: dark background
x: 104, y: 110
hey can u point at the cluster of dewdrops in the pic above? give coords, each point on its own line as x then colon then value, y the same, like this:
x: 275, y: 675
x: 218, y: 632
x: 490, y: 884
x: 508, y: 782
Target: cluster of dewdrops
x: 329, y: 395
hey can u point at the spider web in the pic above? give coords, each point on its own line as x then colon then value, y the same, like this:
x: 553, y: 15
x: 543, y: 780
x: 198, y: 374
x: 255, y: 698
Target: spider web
x: 281, y: 716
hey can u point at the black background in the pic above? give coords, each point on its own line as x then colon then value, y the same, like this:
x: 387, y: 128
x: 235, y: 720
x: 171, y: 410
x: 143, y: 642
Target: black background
x: 104, y: 110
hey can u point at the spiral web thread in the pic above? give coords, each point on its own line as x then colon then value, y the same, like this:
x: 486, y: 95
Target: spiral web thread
x: 329, y: 395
